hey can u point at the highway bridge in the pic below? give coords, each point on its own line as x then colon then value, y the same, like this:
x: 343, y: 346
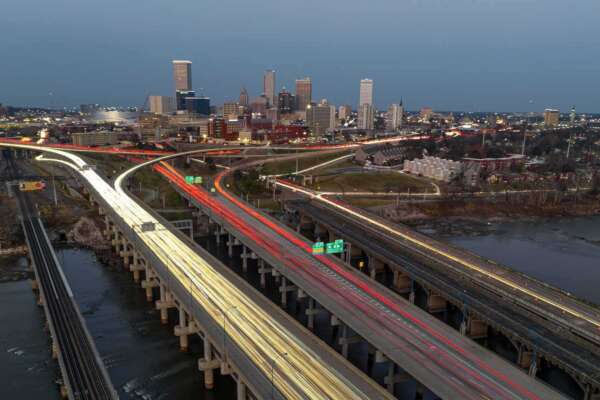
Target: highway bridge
x: 83, y: 373
x: 267, y: 353
x: 397, y: 264
x: 402, y: 336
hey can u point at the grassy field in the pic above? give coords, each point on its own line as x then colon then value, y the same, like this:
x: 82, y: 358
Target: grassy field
x: 375, y: 182
x: 289, y: 166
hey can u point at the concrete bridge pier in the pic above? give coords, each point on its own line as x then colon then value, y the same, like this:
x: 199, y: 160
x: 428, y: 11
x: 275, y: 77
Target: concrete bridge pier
x: 137, y: 266
x: 473, y: 327
x: 166, y: 301
x: 284, y: 289
x: 312, y: 310
x: 375, y: 266
x: 436, y: 303
x: 241, y: 390
x: 208, y: 364
x: 263, y: 270
x: 187, y: 326
x: 149, y: 283
x: 402, y: 283
x: 347, y: 337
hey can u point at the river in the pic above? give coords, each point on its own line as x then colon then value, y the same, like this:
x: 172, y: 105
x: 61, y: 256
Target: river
x: 562, y: 252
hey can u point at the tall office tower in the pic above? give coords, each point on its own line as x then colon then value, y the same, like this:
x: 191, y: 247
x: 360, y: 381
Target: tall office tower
x: 182, y: 75
x: 160, y: 104
x: 551, y: 117
x: 303, y: 93
x: 244, y: 99
x: 573, y: 116
x: 394, y: 117
x: 319, y: 117
x: 366, y: 92
x: 269, y: 87
x: 345, y: 112
x: 285, y: 102
x: 366, y: 117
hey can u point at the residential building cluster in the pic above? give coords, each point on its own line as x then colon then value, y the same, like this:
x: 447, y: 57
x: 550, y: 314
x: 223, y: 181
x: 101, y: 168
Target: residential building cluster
x: 435, y: 168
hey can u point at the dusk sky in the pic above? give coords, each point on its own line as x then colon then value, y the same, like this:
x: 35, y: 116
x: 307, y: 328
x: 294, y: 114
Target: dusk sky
x: 472, y: 55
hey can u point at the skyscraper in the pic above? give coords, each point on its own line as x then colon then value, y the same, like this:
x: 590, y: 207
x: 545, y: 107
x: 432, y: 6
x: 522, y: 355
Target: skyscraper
x: 244, y: 99
x: 285, y: 102
x: 182, y: 75
x: 269, y: 87
x: 394, y: 117
x: 303, y: 93
x: 366, y: 92
x: 366, y: 117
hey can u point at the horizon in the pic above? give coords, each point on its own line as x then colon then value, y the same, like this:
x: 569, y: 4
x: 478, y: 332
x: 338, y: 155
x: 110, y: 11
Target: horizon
x: 474, y: 56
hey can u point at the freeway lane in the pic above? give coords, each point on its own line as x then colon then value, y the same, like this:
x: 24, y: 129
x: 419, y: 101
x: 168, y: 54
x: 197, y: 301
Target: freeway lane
x: 306, y: 370
x: 532, y: 295
x: 451, y: 365
x: 543, y: 335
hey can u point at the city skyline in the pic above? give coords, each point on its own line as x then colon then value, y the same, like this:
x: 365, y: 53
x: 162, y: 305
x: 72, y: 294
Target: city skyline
x: 515, y: 67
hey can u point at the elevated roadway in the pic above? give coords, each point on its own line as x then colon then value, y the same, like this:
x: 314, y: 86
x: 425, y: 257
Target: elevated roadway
x: 527, y: 330
x: 278, y: 358
x: 449, y: 364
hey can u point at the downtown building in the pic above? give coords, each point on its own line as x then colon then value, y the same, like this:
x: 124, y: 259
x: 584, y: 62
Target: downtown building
x: 366, y: 112
x: 320, y: 118
x: 161, y: 104
x: 394, y: 117
x: 269, y: 88
x: 303, y: 93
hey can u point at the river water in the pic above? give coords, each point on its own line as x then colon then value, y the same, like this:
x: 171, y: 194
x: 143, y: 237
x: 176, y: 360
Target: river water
x: 143, y: 356
x: 562, y: 252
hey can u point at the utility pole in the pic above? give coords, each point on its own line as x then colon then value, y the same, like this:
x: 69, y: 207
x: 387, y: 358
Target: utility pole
x: 569, y: 145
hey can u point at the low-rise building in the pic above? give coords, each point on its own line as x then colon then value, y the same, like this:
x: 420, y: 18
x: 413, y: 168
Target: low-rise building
x: 96, y: 138
x: 435, y: 168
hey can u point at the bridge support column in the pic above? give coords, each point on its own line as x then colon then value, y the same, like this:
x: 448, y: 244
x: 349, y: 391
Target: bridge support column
x: 165, y: 302
x: 346, y: 339
x: 375, y: 266
x: 241, y: 389
x: 136, y: 266
x: 244, y: 257
x: 263, y: 271
x: 436, y: 303
x: 284, y: 289
x: 149, y: 283
x: 230, y: 240
x: 402, y: 283
x: 187, y: 326
x: 208, y: 364
x: 473, y: 328
x: 312, y: 310
x: 393, y: 377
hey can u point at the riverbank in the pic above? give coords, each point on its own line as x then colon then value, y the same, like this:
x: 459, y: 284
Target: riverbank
x: 478, y: 217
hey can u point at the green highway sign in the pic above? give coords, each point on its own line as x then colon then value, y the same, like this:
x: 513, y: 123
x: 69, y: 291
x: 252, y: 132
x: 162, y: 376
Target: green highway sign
x: 335, y: 247
x: 193, y: 180
x: 318, y: 248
